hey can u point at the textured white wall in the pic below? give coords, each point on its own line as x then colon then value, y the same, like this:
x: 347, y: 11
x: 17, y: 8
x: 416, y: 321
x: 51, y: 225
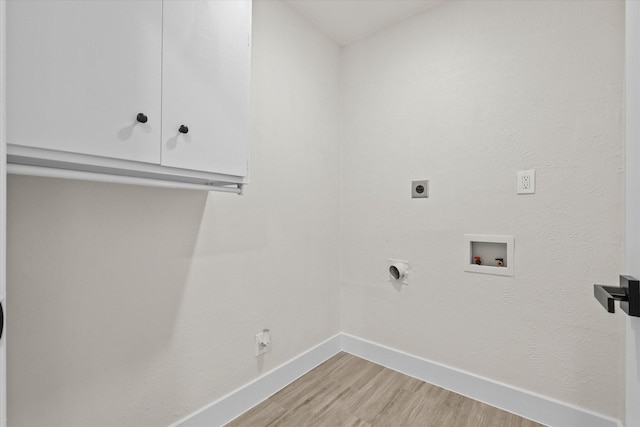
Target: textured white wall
x: 465, y: 95
x: 136, y: 306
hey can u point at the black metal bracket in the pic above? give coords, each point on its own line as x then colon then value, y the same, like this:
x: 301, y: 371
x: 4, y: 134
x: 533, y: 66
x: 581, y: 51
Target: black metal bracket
x: 628, y: 293
x: 1, y: 320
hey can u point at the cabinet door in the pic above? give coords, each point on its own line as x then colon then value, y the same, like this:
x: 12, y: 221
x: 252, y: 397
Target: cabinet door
x: 78, y: 74
x: 205, y: 85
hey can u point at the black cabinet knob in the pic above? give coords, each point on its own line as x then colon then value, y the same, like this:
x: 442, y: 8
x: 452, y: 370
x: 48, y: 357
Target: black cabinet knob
x: 142, y: 118
x: 183, y: 129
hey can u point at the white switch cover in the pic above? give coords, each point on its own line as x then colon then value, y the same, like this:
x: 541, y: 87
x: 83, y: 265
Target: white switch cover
x: 527, y: 182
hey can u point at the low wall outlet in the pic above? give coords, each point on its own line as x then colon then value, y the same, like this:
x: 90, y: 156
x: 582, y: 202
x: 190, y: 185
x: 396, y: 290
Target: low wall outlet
x: 263, y: 342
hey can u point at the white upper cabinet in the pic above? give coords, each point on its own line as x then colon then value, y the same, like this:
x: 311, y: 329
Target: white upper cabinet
x: 149, y: 89
x: 78, y: 74
x: 205, y: 85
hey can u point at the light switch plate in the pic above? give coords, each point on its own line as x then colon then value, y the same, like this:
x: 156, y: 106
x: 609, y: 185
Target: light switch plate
x: 420, y: 189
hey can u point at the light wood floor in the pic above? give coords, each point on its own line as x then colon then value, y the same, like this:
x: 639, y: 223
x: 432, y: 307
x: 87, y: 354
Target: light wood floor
x: 349, y: 391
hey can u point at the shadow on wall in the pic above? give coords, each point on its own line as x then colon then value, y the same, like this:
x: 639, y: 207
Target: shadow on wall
x: 96, y: 273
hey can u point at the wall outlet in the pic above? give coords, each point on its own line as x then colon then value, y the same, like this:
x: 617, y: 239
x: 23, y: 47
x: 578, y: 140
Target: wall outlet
x: 527, y: 182
x: 263, y: 342
x: 420, y: 189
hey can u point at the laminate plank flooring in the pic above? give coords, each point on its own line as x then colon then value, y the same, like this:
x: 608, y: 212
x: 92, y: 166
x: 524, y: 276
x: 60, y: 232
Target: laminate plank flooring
x: 346, y: 391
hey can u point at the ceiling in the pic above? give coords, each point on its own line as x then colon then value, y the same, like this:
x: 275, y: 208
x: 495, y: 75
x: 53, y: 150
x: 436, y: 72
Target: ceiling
x: 346, y: 21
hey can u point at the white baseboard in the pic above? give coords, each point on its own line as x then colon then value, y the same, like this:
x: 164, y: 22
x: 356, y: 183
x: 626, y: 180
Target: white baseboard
x: 542, y: 409
x: 238, y: 402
